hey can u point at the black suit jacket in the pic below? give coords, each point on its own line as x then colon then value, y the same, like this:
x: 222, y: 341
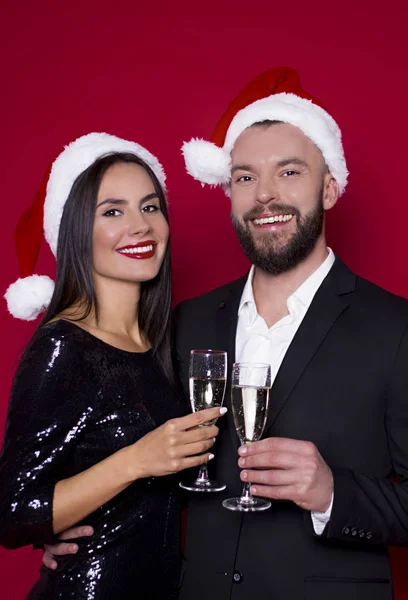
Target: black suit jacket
x: 343, y: 385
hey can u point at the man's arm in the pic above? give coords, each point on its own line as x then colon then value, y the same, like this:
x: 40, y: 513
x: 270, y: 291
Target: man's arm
x: 369, y: 509
x: 366, y: 509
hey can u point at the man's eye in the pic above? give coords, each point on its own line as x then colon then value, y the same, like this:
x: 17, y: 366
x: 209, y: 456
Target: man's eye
x: 150, y: 208
x: 244, y: 178
x: 112, y: 212
x: 290, y: 173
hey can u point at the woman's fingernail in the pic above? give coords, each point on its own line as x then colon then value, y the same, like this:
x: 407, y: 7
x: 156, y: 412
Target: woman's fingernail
x: 223, y: 410
x: 244, y: 475
x: 243, y: 450
x: 88, y: 531
x: 210, y: 456
x: 214, y: 440
x: 73, y: 548
x: 54, y: 565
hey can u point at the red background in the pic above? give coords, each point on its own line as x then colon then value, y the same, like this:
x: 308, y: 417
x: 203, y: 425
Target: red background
x: 159, y: 73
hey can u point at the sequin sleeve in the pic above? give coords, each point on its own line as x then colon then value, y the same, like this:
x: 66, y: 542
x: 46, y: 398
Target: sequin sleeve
x: 47, y: 412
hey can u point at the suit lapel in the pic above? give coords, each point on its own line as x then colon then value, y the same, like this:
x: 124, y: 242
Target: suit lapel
x: 326, y: 307
x: 226, y: 326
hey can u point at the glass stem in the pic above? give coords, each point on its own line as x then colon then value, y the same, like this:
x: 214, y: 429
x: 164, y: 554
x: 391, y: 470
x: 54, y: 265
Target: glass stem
x: 246, y: 497
x: 203, y: 473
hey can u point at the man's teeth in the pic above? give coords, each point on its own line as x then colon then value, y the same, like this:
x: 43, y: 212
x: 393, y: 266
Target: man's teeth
x: 277, y: 219
x: 138, y: 250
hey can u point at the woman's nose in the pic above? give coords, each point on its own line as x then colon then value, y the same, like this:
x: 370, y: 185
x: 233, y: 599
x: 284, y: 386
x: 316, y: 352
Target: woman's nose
x: 139, y: 225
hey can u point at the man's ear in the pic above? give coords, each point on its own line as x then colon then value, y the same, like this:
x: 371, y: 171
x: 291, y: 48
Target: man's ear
x: 330, y: 191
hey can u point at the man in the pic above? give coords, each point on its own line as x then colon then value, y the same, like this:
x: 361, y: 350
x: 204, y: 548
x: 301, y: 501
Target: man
x: 336, y: 433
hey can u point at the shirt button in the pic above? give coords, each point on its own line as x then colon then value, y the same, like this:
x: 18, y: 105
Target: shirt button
x: 237, y: 577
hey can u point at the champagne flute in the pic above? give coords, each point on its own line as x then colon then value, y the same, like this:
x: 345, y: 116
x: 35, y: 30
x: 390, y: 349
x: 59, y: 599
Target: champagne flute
x: 207, y: 380
x: 251, y: 383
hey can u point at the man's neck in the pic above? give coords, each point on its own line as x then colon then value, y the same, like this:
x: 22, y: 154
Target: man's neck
x: 271, y: 292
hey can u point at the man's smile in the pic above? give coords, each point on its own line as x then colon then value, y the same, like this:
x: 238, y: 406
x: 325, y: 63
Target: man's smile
x: 273, y: 219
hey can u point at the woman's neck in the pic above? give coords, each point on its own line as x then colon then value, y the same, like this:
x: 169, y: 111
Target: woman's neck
x: 116, y: 320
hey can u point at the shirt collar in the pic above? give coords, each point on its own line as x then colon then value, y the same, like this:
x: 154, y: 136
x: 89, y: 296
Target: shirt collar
x: 305, y: 292
x: 248, y: 293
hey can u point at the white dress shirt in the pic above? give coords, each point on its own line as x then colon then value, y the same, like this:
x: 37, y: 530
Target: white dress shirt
x: 256, y: 342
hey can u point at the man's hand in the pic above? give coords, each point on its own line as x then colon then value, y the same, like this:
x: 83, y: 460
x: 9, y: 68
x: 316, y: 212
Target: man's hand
x: 64, y: 547
x: 289, y: 470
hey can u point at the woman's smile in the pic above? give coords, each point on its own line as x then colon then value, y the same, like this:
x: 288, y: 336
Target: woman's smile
x: 140, y: 251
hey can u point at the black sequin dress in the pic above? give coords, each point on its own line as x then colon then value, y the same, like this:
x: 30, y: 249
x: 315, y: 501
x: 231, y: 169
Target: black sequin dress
x: 75, y: 401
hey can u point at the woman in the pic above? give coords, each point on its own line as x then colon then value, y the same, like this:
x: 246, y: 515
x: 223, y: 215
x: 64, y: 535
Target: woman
x: 95, y: 427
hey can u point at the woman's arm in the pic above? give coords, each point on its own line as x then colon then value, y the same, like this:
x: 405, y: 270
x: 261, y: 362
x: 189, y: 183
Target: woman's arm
x: 176, y: 445
x: 46, y: 415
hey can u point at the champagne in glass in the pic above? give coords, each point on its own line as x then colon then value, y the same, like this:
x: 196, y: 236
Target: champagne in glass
x: 249, y: 410
x: 206, y: 392
x: 251, y: 383
x: 207, y: 380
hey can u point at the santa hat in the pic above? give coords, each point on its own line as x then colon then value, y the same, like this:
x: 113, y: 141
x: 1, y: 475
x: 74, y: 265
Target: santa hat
x: 31, y: 294
x: 275, y: 95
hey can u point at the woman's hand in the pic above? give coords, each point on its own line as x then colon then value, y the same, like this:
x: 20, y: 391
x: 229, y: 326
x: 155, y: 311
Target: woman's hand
x: 177, y: 445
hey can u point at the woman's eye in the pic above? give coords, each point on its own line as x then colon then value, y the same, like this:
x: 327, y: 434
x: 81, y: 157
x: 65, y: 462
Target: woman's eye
x: 112, y: 212
x: 150, y: 208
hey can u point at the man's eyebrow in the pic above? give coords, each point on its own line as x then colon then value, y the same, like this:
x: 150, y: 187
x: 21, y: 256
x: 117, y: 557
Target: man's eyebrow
x: 241, y: 168
x: 121, y: 201
x: 292, y: 161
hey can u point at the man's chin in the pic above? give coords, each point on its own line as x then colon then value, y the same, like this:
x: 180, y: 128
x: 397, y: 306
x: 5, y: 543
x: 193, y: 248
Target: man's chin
x: 279, y: 248
x: 271, y: 238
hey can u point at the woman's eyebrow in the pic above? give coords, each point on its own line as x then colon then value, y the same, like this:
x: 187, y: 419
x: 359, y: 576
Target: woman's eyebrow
x: 119, y: 201
x: 116, y: 201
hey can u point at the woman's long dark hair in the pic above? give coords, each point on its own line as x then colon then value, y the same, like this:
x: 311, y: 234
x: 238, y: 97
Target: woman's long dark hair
x: 74, y: 282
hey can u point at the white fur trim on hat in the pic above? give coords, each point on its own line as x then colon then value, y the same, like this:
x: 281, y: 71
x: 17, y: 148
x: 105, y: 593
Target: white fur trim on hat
x: 73, y: 161
x: 313, y: 120
x: 28, y: 297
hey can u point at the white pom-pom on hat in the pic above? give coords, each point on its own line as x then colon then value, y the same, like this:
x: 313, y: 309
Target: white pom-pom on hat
x: 206, y: 162
x: 31, y: 294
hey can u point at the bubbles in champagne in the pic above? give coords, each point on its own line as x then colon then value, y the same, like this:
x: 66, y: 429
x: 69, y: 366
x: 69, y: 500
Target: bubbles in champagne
x: 249, y: 410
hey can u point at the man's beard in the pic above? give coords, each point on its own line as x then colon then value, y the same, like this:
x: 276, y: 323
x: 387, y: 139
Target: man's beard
x: 269, y: 254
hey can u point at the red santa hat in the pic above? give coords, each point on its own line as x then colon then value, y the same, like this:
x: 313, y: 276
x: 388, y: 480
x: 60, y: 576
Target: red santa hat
x: 31, y: 294
x: 275, y: 95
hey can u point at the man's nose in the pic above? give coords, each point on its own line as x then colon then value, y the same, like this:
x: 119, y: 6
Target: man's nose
x: 266, y: 191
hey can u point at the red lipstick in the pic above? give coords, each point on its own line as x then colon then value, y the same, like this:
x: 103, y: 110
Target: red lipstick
x: 139, y: 251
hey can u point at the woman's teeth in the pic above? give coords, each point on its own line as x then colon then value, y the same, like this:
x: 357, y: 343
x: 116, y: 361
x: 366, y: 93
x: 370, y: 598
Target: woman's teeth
x: 138, y: 250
